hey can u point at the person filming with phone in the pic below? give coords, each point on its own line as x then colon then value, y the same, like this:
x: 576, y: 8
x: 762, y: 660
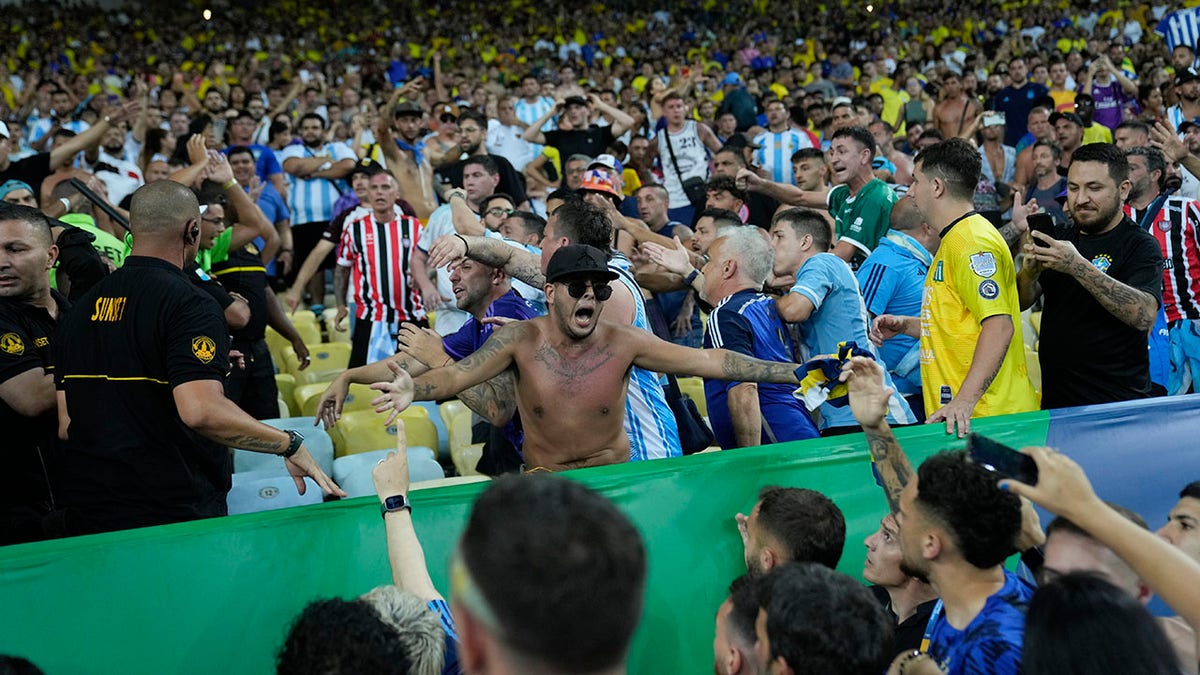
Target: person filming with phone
x: 1101, y: 284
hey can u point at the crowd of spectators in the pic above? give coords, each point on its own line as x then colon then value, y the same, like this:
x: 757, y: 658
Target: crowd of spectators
x: 551, y: 213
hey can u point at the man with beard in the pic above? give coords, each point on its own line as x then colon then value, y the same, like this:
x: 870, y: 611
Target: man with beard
x: 317, y: 168
x: 1187, y: 88
x: 572, y: 368
x: 472, y: 129
x: 111, y: 165
x: 1017, y: 99
x: 1068, y: 128
x: 956, y: 528
x: 1176, y: 226
x: 241, y: 134
x: 1101, y: 283
x: 956, y: 112
x: 779, y: 142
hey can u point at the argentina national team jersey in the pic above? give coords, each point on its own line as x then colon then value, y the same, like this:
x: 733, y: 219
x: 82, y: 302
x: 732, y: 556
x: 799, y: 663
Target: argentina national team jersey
x: 649, y: 422
x: 776, y: 150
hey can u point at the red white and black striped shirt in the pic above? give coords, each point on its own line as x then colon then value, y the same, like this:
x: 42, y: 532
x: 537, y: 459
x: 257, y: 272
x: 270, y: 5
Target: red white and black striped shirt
x: 379, y: 255
x: 1177, y: 229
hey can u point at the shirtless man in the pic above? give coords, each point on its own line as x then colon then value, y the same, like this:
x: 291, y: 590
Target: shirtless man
x: 407, y: 159
x: 955, y: 114
x: 572, y: 369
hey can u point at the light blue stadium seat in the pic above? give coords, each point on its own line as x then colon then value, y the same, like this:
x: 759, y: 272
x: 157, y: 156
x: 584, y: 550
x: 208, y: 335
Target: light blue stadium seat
x: 353, y: 472
x: 315, y: 439
x: 256, y: 491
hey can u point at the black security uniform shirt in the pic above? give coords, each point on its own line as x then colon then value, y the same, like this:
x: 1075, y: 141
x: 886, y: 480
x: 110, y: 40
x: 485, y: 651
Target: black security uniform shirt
x: 130, y: 461
x: 1087, y: 354
x: 591, y: 141
x: 25, y: 336
x: 243, y: 273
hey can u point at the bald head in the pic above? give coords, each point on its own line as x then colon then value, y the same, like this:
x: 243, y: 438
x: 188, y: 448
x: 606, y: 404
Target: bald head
x: 162, y: 206
x: 905, y: 216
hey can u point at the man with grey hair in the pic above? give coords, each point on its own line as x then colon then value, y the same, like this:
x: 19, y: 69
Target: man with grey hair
x: 744, y: 320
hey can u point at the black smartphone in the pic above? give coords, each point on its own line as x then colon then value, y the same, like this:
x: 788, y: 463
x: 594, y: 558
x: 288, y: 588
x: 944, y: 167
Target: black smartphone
x: 1001, y: 459
x: 1044, y: 223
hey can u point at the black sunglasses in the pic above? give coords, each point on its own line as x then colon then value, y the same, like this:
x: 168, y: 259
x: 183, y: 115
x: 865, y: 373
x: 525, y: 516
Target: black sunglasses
x: 600, y: 289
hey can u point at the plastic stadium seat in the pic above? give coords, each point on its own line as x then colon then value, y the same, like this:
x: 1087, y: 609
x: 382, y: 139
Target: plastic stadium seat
x: 694, y: 388
x: 363, y: 431
x: 434, y: 414
x: 448, y: 409
x: 334, y: 334
x: 353, y: 472
x: 315, y: 439
x: 1034, y: 366
x: 327, y: 361
x: 261, y: 491
x: 463, y: 452
x: 358, y: 398
x: 277, y: 344
x: 284, y: 410
x: 303, y: 316
x: 286, y: 384
x: 1035, y: 319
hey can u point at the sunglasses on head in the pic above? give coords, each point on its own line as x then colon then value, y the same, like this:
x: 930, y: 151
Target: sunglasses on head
x: 499, y: 211
x: 600, y: 289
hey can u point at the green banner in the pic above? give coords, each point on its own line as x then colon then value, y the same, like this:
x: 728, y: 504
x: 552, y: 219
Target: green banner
x: 218, y: 595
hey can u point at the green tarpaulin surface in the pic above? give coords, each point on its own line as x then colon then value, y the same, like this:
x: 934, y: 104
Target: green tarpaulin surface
x: 217, y: 595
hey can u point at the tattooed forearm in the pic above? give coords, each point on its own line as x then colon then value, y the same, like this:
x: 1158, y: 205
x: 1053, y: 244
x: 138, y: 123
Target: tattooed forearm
x: 494, y: 400
x: 741, y: 368
x: 515, y: 262
x: 1010, y: 234
x: 894, y: 468
x: 1136, y: 308
x: 254, y: 443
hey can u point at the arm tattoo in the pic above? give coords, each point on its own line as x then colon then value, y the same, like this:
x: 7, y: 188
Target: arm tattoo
x: 517, y: 263
x: 741, y: 368
x: 894, y: 468
x: 1010, y: 234
x: 494, y: 400
x: 438, y: 383
x: 254, y: 443
x: 1134, y: 307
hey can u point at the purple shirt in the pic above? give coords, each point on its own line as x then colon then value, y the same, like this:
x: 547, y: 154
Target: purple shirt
x: 1110, y: 103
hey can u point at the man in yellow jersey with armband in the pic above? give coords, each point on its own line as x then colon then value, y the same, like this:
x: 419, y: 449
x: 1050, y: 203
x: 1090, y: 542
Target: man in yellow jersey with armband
x: 972, y: 358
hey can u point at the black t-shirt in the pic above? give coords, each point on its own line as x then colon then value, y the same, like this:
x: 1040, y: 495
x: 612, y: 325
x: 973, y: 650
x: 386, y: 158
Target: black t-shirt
x: 130, y: 461
x: 32, y: 171
x: 209, y: 284
x: 510, y: 183
x: 908, y: 634
x: 592, y: 141
x: 1087, y: 354
x: 25, y: 336
x: 762, y: 210
x: 79, y: 260
x: 243, y: 273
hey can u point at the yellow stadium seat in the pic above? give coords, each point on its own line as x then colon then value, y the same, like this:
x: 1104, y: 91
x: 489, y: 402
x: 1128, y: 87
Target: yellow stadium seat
x: 1034, y: 366
x: 694, y: 388
x: 334, y: 334
x: 309, y: 395
x: 463, y: 452
x: 448, y: 409
x: 1035, y: 319
x: 277, y: 344
x: 363, y: 431
x: 286, y: 384
x: 326, y: 361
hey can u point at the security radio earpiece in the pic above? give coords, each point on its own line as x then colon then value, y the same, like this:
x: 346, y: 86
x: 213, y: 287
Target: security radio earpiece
x: 193, y: 234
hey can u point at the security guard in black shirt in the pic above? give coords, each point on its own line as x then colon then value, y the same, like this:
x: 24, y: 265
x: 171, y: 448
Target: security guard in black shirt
x: 140, y: 374
x: 29, y: 311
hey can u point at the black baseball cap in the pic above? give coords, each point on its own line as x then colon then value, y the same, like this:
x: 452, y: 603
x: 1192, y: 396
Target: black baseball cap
x: 579, y: 260
x: 574, y: 100
x: 1069, y: 116
x: 1188, y: 124
x: 406, y: 107
x: 1185, y: 76
x: 368, y: 166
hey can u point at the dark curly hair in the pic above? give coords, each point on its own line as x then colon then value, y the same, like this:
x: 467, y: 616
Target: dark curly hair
x: 963, y: 497
x: 338, y: 636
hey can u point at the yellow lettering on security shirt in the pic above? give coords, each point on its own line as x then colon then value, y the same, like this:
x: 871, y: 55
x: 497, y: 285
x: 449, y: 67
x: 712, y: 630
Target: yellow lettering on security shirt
x: 109, y: 309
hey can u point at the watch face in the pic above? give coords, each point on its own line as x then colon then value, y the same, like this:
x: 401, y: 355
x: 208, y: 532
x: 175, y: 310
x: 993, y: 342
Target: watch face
x: 395, y: 503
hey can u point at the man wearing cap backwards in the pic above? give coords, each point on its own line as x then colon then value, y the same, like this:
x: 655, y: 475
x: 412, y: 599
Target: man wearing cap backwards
x: 406, y: 157
x: 572, y: 368
x: 581, y: 138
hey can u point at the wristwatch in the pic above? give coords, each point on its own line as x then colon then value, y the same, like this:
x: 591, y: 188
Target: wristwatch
x: 395, y: 503
x: 687, y: 281
x: 294, y: 444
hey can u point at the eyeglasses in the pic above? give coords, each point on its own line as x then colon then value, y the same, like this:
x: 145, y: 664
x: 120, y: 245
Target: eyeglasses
x: 600, y: 289
x: 500, y: 211
x: 446, y: 119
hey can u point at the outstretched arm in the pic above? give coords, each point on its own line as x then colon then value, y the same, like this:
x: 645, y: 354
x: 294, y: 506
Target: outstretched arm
x: 490, y: 251
x: 869, y: 403
x: 661, y: 356
x: 487, y: 362
x: 407, y: 558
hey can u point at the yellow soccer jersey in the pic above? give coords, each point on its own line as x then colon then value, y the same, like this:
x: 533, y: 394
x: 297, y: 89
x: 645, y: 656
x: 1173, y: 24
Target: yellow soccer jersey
x: 972, y: 278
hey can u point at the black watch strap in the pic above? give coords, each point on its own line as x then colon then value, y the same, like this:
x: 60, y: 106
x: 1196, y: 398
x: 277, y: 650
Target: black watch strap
x: 395, y: 503
x: 296, y: 440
